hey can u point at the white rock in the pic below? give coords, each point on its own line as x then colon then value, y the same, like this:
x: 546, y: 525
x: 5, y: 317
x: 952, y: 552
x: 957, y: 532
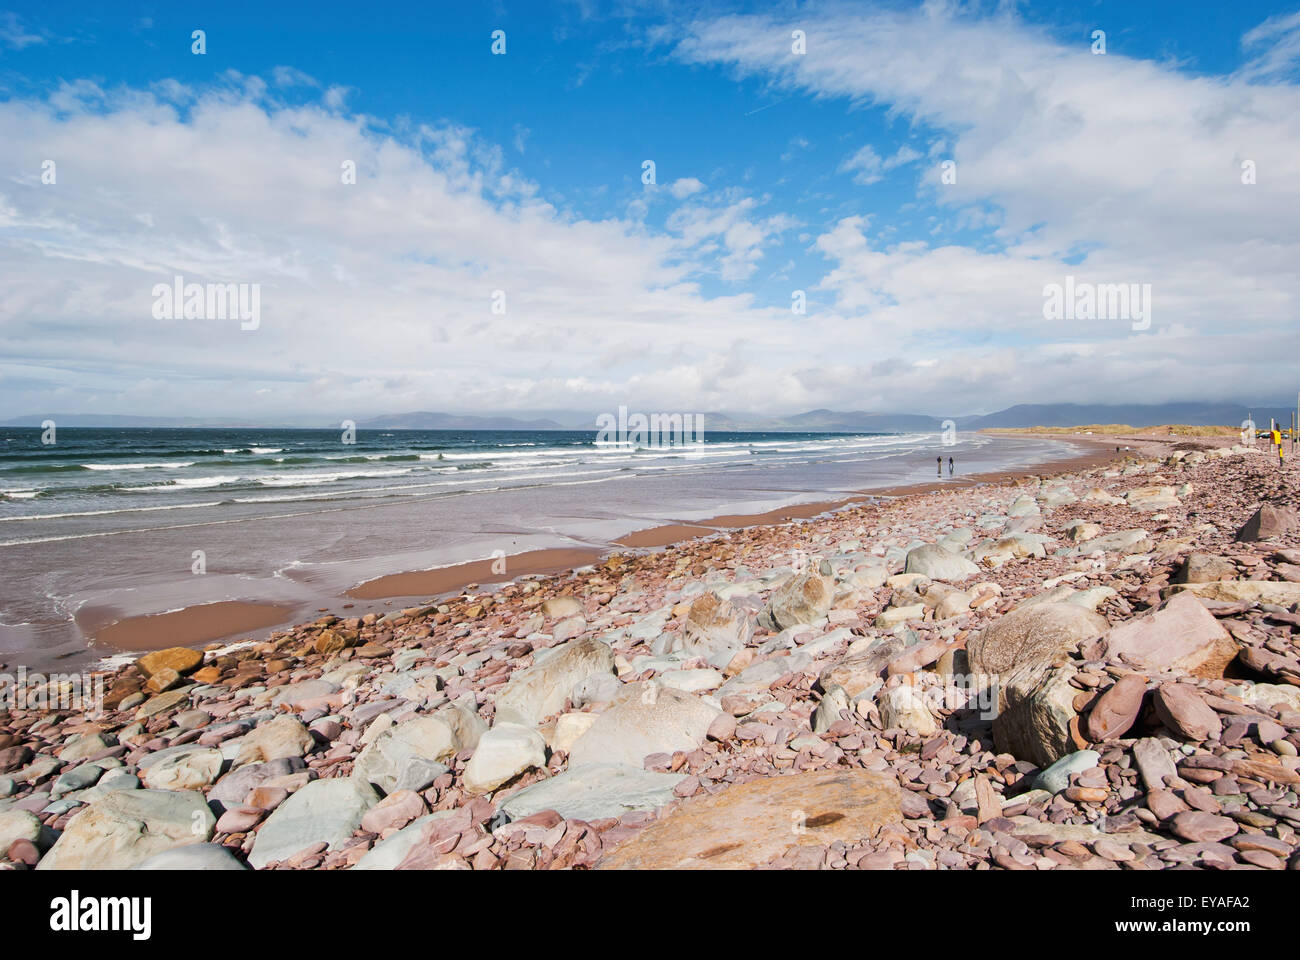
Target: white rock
x: 504, y: 752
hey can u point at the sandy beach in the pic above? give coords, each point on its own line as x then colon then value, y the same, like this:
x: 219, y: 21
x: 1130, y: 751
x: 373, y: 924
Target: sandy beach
x: 1088, y: 668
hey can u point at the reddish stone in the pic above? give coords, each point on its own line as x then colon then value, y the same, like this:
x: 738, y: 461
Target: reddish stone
x: 23, y: 851
x: 1117, y: 709
x: 1200, y: 827
x: 1181, y: 709
x: 12, y: 758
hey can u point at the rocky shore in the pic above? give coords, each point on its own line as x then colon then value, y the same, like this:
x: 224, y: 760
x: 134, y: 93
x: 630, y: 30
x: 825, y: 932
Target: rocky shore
x: 1094, y: 670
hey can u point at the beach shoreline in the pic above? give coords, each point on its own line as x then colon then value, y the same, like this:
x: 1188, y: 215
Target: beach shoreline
x: 226, y: 621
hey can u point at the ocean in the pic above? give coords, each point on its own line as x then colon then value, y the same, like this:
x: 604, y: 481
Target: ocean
x: 111, y: 523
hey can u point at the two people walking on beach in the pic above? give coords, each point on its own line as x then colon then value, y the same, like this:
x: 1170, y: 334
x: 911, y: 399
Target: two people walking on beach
x: 939, y: 465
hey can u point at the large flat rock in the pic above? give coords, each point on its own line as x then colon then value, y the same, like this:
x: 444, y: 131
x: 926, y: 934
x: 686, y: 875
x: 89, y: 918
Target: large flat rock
x: 1182, y: 636
x: 1281, y: 592
x: 749, y: 824
x: 1267, y: 522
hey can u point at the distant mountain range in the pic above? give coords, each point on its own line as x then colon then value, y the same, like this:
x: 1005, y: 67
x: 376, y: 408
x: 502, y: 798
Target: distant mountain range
x: 813, y: 421
x: 452, y: 421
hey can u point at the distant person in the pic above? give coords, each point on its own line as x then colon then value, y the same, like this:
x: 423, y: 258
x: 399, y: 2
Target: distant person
x: 938, y: 461
x: 950, y: 466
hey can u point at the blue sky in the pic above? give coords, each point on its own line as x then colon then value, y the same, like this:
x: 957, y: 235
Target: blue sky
x: 522, y: 172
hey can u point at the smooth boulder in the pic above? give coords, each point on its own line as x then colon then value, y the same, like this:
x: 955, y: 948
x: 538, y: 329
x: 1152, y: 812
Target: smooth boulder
x: 1181, y: 709
x: 539, y: 691
x: 1037, y: 713
x: 712, y: 626
x: 648, y: 718
x: 1116, y: 710
x: 1032, y: 635
x: 196, y: 856
x: 324, y: 811
x: 127, y: 827
x: 504, y: 752
x: 407, y: 756
x: 192, y: 768
x: 805, y: 598
x: 276, y: 739
x: 938, y: 563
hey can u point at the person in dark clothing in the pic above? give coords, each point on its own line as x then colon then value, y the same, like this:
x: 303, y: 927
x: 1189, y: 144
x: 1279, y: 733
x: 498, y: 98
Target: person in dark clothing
x: 938, y: 461
x: 950, y: 466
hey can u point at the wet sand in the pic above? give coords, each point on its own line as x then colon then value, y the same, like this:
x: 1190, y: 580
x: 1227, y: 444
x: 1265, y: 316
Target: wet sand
x: 451, y: 579
x: 188, y: 627
x: 665, y: 536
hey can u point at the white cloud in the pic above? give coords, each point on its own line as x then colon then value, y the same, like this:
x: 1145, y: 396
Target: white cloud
x: 866, y: 165
x: 731, y: 229
x: 685, y: 187
x: 1274, y: 46
x: 292, y: 77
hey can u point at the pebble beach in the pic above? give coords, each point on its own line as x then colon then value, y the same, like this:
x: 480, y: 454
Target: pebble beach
x: 1096, y: 667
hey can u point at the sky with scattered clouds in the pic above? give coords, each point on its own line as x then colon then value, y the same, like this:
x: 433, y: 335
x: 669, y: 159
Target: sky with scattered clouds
x: 917, y: 174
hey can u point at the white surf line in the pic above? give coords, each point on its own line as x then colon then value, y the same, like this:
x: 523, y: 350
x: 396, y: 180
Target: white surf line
x: 290, y: 516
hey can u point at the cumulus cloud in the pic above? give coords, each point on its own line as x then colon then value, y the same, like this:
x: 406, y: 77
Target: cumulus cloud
x: 730, y: 231
x: 685, y: 187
